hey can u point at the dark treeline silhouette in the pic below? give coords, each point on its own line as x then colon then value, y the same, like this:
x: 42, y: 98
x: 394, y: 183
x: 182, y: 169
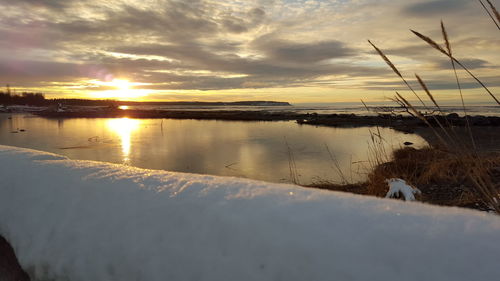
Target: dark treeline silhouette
x: 83, y: 102
x: 25, y: 98
x: 38, y: 99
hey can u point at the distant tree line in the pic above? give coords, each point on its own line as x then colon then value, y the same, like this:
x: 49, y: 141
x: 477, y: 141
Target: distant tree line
x: 25, y: 98
x: 7, y: 97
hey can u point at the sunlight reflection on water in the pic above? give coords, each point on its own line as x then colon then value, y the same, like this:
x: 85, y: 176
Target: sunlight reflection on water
x: 244, y: 149
x: 124, y: 127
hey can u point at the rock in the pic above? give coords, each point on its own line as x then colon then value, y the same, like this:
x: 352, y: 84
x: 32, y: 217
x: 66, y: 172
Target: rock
x: 480, y: 121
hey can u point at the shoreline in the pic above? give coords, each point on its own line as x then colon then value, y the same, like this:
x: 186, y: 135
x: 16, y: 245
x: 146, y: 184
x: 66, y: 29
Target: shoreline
x: 398, y: 122
x: 485, y: 128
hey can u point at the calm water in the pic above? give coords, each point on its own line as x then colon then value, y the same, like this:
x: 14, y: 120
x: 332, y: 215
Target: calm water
x: 255, y: 150
x: 339, y: 108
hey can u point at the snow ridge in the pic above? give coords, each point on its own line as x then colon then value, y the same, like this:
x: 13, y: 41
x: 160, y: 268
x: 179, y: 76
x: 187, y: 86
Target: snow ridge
x: 83, y: 220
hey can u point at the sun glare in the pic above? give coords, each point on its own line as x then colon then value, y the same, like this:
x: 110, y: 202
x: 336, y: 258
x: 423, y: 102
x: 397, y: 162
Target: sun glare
x: 121, y: 84
x: 121, y: 89
x: 124, y: 128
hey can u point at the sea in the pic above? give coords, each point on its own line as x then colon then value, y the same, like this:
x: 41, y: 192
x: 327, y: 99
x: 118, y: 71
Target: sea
x: 485, y: 109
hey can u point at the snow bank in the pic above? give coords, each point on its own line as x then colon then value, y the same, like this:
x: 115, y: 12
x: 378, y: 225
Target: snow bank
x: 85, y: 221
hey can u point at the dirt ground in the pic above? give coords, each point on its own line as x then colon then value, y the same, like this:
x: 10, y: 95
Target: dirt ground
x: 486, y: 138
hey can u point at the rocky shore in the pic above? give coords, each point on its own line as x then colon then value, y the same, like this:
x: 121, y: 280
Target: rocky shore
x: 398, y: 122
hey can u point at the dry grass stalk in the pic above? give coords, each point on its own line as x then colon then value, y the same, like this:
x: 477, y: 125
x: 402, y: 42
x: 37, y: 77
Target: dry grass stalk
x: 430, y: 42
x: 431, y: 97
x: 497, y: 15
x: 386, y: 59
x: 292, y: 166
x: 445, y: 37
x: 429, y: 167
x: 426, y: 90
x: 336, y: 166
x: 366, y: 107
x: 377, y: 154
x: 494, y: 10
x: 402, y: 104
x: 456, y: 165
x: 420, y: 116
x: 417, y: 113
x: 480, y: 177
x: 459, y: 86
x: 440, y: 49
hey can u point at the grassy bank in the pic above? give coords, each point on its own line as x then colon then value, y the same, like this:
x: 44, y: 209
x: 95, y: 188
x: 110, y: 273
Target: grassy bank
x: 454, y: 170
x: 442, y: 177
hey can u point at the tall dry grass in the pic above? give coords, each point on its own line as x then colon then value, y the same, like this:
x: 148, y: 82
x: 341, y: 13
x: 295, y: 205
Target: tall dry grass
x: 292, y: 165
x: 494, y: 11
x: 457, y: 162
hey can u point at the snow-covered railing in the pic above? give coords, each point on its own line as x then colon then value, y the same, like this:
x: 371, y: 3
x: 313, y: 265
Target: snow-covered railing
x: 82, y: 220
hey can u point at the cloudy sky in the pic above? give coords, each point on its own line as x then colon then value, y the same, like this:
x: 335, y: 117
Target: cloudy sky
x: 288, y: 50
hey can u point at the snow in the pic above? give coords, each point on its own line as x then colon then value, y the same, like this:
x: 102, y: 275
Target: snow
x: 399, y: 187
x: 83, y: 220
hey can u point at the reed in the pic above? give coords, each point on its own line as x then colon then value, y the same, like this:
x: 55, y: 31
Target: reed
x: 457, y: 163
x: 494, y: 11
x: 292, y: 165
x: 336, y: 166
x: 459, y: 86
x: 436, y: 46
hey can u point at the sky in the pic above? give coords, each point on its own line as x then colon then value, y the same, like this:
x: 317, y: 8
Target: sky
x: 222, y: 50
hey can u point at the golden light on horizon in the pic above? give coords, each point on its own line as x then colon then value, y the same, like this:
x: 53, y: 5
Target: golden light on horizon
x: 124, y: 127
x: 123, y: 90
x: 121, y: 84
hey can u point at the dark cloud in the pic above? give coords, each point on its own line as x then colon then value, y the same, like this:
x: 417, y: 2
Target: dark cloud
x: 434, y: 84
x: 287, y: 51
x: 36, y: 68
x: 469, y: 63
x: 408, y: 51
x: 188, y: 34
x: 234, y: 25
x: 277, y: 64
x: 424, y: 53
x: 243, y: 23
x: 188, y: 45
x: 436, y: 7
x: 50, y: 4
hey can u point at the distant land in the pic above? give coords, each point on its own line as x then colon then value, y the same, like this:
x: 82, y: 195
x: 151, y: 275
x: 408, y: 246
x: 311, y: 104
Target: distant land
x: 202, y: 103
x: 38, y: 99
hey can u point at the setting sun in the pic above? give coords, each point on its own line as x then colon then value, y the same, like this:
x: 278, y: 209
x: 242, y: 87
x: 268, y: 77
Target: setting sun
x: 121, y: 89
x: 121, y: 84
